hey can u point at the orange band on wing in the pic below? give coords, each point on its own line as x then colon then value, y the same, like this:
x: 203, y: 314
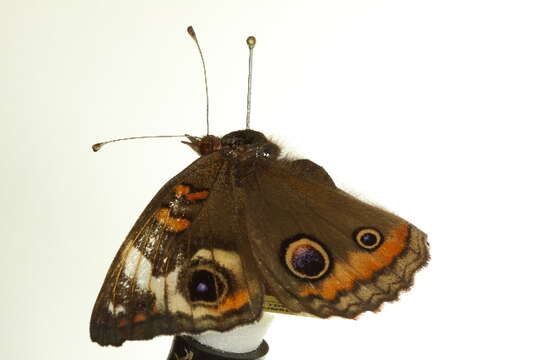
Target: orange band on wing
x: 180, y: 190
x: 234, y: 302
x: 360, y: 266
x: 172, y: 224
x: 139, y: 317
x: 201, y: 195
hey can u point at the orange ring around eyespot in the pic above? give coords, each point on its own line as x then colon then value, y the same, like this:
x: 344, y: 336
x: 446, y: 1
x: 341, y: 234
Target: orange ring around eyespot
x: 360, y: 266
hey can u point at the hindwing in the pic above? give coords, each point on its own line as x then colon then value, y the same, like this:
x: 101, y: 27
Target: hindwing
x: 319, y: 249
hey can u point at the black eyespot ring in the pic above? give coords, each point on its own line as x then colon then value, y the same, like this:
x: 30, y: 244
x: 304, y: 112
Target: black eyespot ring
x: 368, y: 238
x: 305, y: 257
x: 206, y: 285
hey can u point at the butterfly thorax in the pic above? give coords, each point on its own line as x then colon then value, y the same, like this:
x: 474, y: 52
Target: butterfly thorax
x: 240, y: 145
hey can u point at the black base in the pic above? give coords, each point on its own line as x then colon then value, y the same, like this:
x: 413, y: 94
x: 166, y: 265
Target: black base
x: 186, y: 348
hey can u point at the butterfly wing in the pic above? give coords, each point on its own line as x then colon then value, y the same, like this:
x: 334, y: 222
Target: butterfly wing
x: 183, y: 267
x: 320, y: 250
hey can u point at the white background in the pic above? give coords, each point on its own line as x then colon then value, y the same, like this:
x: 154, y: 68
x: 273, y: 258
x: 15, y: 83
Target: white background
x: 429, y: 108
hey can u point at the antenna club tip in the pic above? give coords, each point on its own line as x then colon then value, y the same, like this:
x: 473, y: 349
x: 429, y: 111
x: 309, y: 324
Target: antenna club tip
x: 97, y: 147
x: 191, y: 32
x: 251, y: 41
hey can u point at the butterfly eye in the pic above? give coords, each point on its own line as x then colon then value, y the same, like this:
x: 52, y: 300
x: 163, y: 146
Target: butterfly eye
x: 206, y: 285
x: 368, y: 238
x: 305, y: 257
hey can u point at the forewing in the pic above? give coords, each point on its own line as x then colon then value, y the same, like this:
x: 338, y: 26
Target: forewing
x: 182, y: 267
x: 320, y: 250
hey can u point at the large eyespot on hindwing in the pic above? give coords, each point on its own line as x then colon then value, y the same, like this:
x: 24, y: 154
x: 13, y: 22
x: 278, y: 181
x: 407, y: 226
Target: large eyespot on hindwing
x: 305, y: 257
x: 368, y: 238
x: 205, y: 284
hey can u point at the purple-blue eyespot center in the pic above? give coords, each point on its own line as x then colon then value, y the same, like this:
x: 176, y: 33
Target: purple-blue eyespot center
x: 306, y: 258
x: 205, y: 285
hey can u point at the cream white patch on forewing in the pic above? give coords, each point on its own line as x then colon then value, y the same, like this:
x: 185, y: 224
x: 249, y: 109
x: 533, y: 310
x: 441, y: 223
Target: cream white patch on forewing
x: 144, y: 272
x: 200, y: 311
x: 116, y: 310
x: 228, y: 259
x: 130, y: 266
x: 138, y: 266
x: 157, y: 287
x: 176, y: 301
x: 203, y: 254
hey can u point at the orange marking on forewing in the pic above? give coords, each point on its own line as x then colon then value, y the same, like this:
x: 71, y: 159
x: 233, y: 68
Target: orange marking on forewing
x: 234, y: 302
x: 180, y: 190
x: 172, y: 224
x: 139, y: 317
x: 201, y: 195
x: 122, y: 322
x: 360, y: 266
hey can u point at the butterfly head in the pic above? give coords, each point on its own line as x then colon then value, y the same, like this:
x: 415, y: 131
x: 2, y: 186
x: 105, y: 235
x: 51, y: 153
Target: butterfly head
x: 249, y: 143
x: 243, y: 138
x: 238, y: 144
x: 205, y: 145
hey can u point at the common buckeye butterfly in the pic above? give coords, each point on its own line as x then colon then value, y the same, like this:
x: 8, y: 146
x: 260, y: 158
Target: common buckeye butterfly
x: 240, y: 225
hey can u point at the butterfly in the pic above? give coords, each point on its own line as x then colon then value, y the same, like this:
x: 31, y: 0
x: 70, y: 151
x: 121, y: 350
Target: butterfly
x: 243, y: 228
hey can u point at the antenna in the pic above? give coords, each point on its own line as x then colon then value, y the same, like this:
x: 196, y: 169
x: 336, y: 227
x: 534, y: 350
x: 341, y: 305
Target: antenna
x: 251, y: 41
x: 191, y: 33
x: 98, y: 146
